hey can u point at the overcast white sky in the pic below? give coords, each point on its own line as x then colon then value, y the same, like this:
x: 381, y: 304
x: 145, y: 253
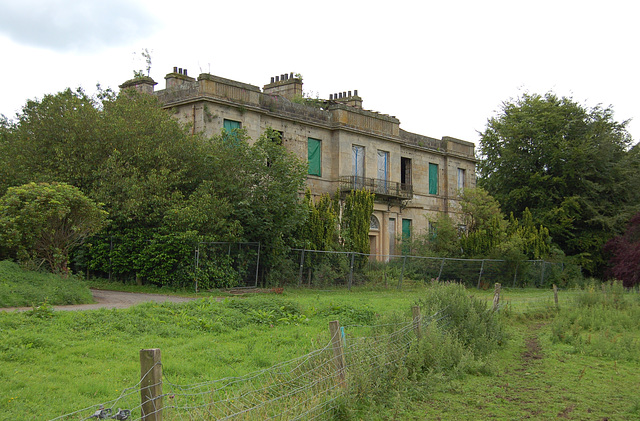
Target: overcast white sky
x: 442, y: 67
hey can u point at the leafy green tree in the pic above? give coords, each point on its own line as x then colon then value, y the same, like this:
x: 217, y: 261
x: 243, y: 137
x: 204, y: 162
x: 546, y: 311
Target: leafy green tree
x: 485, y: 225
x: 155, y: 177
x: 535, y: 241
x: 122, y: 150
x: 570, y: 165
x: 262, y: 182
x: 442, y: 241
x: 45, y: 221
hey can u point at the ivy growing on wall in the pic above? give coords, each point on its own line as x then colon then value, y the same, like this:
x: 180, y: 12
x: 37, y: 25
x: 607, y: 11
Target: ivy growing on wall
x: 320, y: 231
x: 356, y: 220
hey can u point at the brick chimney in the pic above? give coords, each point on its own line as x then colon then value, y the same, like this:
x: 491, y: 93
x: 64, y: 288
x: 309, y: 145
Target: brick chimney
x: 142, y: 84
x: 177, y: 78
x: 347, y: 98
x: 286, y: 85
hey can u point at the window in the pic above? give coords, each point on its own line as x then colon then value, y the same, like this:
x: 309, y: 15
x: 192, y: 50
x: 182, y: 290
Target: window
x: 392, y: 236
x: 406, y: 235
x: 461, y: 173
x: 230, y: 125
x: 433, y: 178
x: 275, y: 136
x: 231, y: 130
x: 405, y: 171
x: 314, y: 153
x: 374, y: 223
x: 433, y: 230
x: 357, y: 155
x: 383, y: 171
x: 357, y: 163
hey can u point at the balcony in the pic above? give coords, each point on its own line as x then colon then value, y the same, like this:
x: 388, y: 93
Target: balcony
x: 381, y: 188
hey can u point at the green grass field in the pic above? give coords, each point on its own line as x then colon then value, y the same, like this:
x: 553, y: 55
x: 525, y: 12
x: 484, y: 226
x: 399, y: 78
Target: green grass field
x: 576, y: 362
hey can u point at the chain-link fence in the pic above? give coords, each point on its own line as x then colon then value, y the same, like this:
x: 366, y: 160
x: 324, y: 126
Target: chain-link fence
x: 313, y: 268
x: 180, y: 261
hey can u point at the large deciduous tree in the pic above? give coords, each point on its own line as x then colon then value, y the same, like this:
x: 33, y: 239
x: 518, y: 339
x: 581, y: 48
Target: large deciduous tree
x: 45, y: 221
x: 156, y: 178
x: 570, y: 165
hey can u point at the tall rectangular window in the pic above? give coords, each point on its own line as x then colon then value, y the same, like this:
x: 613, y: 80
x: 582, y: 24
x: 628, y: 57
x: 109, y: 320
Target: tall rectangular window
x: 405, y: 171
x: 406, y: 235
x: 433, y: 178
x: 461, y: 174
x: 314, y: 153
x: 383, y: 171
x: 357, y: 165
x: 357, y: 155
x: 392, y: 236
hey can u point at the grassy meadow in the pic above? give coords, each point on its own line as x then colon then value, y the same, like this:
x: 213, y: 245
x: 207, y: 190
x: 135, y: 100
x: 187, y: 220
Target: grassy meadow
x: 528, y: 360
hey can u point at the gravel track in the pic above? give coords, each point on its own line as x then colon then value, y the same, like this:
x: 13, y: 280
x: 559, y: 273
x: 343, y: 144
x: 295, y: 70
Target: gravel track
x: 113, y: 299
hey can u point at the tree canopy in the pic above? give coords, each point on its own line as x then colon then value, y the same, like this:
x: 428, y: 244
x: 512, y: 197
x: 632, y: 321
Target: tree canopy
x: 572, y: 166
x: 45, y: 221
x: 165, y: 188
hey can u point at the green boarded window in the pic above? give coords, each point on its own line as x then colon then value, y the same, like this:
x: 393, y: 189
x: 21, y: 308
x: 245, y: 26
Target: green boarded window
x: 314, y: 153
x: 406, y: 235
x: 230, y: 125
x: 433, y: 178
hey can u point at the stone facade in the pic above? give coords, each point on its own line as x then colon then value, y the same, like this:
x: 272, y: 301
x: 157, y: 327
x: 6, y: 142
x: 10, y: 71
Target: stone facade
x: 422, y: 175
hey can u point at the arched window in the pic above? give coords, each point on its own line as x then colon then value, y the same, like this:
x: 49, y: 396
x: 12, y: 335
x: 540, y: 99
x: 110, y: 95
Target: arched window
x: 374, y: 225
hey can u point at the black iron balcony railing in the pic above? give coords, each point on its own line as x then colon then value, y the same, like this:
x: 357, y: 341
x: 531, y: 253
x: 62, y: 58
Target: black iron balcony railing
x: 379, y: 187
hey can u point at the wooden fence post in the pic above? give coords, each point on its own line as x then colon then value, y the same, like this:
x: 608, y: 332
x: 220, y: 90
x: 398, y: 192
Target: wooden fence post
x: 338, y: 352
x: 417, y: 321
x: 555, y: 294
x: 496, y: 296
x: 151, y: 384
x: 481, y: 270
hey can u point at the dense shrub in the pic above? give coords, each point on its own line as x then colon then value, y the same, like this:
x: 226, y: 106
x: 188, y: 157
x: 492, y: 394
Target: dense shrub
x: 466, y: 317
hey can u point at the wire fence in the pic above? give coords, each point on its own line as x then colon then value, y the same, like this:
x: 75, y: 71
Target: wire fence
x: 309, y: 387
x: 210, y: 265
x: 313, y: 268
x: 304, y: 388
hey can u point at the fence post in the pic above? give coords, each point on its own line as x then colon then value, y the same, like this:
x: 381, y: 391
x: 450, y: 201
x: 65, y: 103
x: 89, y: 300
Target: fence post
x: 417, y: 321
x: 555, y: 294
x: 481, y: 270
x: 151, y: 384
x: 404, y: 261
x: 338, y: 352
x: 301, y: 268
x: 542, y: 273
x: 353, y: 258
x: 441, y: 267
x: 515, y: 275
x: 258, y: 267
x: 197, y: 266
x: 496, y: 296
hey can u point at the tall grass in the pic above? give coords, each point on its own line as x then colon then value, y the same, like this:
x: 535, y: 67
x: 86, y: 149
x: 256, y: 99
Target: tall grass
x: 603, y: 322
x: 459, y: 335
x: 21, y: 288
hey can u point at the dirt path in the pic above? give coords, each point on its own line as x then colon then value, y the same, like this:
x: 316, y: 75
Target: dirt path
x: 113, y: 299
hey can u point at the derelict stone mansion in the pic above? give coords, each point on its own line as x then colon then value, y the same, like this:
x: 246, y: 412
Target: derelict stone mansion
x: 347, y: 147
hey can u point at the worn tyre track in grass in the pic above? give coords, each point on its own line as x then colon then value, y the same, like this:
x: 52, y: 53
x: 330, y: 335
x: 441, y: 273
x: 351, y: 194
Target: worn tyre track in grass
x: 536, y: 379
